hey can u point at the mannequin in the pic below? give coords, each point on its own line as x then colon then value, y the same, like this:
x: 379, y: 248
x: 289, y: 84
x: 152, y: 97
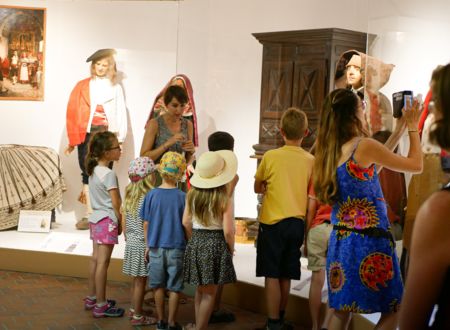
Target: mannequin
x: 367, y: 74
x: 96, y: 104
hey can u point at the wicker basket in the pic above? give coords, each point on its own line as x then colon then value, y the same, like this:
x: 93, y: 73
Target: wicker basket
x: 30, y: 179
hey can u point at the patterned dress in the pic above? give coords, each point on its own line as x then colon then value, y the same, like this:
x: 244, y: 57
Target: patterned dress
x: 134, y: 263
x: 363, y: 272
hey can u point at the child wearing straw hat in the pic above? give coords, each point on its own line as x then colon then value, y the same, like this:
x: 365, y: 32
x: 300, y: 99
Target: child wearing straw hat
x: 208, y: 222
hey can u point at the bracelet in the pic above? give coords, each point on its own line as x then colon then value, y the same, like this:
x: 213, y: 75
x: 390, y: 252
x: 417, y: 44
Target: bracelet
x: 413, y: 130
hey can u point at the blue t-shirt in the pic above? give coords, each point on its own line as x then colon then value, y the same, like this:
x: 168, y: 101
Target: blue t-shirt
x: 163, y: 209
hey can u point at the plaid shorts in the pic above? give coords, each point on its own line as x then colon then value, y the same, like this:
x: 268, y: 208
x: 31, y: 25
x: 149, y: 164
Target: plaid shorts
x: 106, y: 231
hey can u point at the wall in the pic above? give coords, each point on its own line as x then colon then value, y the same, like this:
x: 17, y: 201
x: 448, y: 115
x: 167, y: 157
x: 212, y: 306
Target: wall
x: 209, y: 40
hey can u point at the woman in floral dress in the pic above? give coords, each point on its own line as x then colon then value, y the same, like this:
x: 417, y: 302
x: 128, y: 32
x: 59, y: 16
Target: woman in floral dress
x: 362, y: 268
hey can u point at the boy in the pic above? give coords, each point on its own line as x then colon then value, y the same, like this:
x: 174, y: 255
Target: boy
x: 318, y: 230
x: 162, y: 212
x: 222, y: 141
x: 283, y: 177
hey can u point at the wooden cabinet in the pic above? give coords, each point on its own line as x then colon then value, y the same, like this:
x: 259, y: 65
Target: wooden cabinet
x: 298, y: 71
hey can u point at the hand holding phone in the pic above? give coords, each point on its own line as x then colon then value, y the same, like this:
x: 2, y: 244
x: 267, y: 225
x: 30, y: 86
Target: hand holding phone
x: 401, y: 100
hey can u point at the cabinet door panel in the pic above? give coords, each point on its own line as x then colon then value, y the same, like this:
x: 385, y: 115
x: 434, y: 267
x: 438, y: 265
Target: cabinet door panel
x: 310, y: 77
x: 276, y: 90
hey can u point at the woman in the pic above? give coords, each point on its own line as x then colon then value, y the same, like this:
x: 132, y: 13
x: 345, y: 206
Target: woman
x: 159, y: 107
x: 169, y: 131
x: 362, y: 267
x: 428, y: 280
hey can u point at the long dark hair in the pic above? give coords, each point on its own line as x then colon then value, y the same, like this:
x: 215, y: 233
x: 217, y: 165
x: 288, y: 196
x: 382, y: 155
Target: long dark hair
x: 338, y: 124
x: 99, y: 144
x: 440, y: 85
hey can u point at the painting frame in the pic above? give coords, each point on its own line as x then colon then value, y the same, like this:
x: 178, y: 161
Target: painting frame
x: 22, y: 53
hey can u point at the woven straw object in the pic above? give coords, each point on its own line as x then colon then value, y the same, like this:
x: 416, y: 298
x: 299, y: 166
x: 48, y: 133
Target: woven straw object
x: 30, y: 179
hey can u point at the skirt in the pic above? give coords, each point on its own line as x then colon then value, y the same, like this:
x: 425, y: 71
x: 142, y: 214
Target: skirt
x: 134, y: 263
x: 207, y: 259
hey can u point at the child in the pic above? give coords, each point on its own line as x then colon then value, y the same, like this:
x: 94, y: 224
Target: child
x: 283, y: 177
x: 318, y: 229
x: 104, y: 222
x: 141, y: 174
x: 208, y: 222
x: 222, y: 141
x: 162, y: 212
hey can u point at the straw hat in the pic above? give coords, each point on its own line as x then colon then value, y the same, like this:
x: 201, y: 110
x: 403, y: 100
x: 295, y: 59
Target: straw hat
x: 214, y: 169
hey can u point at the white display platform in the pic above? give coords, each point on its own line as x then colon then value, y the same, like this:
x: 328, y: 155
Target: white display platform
x: 66, y: 239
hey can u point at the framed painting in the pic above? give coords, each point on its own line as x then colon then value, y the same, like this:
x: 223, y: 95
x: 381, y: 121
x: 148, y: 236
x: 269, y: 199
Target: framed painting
x: 22, y: 53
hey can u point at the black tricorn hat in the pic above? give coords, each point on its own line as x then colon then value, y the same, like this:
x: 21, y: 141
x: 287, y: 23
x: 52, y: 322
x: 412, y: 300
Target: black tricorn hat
x: 101, y: 53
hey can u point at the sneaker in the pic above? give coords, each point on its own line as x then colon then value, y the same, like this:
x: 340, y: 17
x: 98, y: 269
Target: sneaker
x: 142, y: 320
x: 107, y: 310
x: 161, y: 325
x: 175, y: 327
x: 130, y: 313
x: 222, y: 316
x: 90, y: 303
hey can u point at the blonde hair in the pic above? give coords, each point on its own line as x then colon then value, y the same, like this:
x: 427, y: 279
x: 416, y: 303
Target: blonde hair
x: 338, y: 124
x: 207, y: 204
x: 111, y: 73
x: 294, y: 123
x: 134, y: 192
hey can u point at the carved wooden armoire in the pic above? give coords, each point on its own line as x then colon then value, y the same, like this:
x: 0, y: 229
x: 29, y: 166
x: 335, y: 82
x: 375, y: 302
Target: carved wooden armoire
x: 298, y: 70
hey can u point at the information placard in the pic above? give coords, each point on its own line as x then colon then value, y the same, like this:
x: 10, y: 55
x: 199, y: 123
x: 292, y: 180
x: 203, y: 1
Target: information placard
x: 34, y: 221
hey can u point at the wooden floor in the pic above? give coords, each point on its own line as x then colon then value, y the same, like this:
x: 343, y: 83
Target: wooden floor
x: 35, y: 301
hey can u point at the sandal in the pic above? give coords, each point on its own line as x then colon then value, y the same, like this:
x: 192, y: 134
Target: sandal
x: 143, y: 320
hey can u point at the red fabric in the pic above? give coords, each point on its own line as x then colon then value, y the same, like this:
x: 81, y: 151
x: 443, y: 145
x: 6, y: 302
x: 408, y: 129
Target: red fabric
x: 323, y: 211
x: 425, y: 111
x: 78, y: 111
x: 189, y: 107
x: 99, y: 118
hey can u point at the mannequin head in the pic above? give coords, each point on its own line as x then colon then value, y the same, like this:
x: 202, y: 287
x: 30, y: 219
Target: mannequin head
x: 353, y: 72
x: 104, y: 67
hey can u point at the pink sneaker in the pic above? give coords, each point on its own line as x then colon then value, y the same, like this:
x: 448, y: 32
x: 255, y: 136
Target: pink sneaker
x: 90, y: 303
x: 108, y: 310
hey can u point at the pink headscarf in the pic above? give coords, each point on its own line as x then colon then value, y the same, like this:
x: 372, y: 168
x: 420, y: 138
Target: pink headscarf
x: 158, y: 104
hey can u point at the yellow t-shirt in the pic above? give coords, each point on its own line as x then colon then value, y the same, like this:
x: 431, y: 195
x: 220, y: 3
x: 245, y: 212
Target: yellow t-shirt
x: 287, y: 172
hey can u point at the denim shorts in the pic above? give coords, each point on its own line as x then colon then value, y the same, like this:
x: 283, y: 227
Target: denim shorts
x: 166, y: 269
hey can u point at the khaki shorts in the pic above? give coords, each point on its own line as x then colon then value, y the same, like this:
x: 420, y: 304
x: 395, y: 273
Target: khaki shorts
x: 317, y: 242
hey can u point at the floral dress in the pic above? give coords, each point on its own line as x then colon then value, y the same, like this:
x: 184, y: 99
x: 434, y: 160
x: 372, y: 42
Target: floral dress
x: 363, y: 272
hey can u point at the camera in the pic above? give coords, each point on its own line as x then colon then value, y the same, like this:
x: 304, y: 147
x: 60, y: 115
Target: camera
x: 399, y: 101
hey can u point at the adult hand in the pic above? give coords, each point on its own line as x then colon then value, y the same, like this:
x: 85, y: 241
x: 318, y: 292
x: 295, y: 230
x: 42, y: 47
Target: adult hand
x: 174, y: 139
x: 188, y: 146
x: 68, y: 150
x: 411, y: 112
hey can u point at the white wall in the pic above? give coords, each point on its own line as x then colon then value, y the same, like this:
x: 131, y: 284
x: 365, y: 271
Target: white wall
x: 212, y: 44
x: 208, y: 40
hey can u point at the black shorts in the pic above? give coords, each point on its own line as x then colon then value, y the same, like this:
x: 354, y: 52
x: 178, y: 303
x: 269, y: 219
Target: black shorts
x: 278, y: 249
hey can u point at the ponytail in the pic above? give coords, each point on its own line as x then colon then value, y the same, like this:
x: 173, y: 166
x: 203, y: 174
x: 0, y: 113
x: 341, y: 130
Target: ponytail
x: 99, y: 144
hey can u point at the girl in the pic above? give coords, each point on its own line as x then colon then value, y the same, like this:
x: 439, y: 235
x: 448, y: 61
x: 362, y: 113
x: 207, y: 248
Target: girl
x: 141, y: 174
x: 104, y: 222
x: 208, y: 223
x: 362, y: 267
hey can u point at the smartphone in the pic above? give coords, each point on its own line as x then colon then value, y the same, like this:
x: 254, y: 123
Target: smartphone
x: 399, y: 101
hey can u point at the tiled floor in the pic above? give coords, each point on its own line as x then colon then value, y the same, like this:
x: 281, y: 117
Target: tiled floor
x: 34, y: 301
